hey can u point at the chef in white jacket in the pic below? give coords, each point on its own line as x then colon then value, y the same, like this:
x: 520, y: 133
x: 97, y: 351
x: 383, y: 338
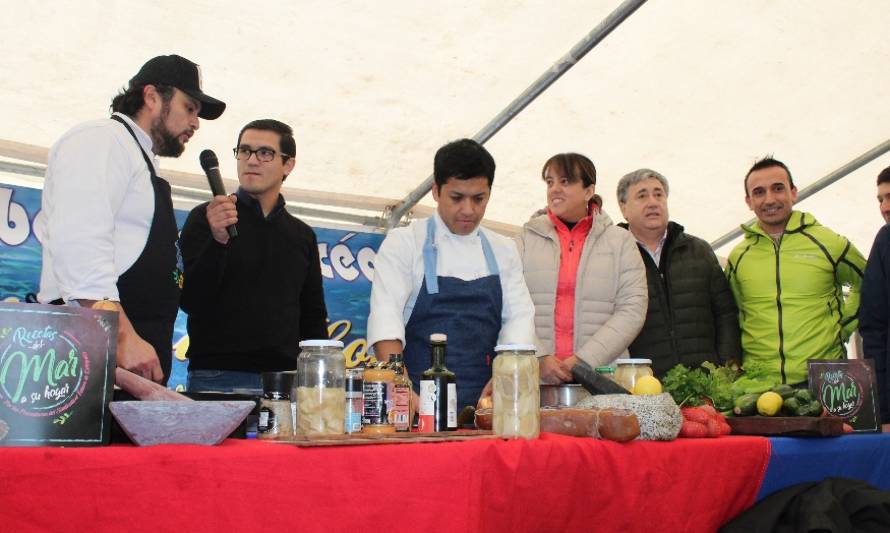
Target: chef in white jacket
x: 446, y: 274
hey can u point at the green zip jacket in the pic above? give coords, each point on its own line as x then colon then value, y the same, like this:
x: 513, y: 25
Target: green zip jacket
x: 791, y: 305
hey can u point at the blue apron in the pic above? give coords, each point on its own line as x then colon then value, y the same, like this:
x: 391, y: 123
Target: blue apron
x: 469, y: 312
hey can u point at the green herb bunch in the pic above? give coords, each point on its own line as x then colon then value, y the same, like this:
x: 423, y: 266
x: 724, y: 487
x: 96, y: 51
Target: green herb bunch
x: 690, y: 387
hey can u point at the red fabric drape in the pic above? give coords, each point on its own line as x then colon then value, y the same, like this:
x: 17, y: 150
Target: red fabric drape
x: 555, y: 483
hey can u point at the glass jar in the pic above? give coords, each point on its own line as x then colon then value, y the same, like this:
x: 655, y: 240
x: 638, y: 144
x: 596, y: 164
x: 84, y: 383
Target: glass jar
x: 402, y: 412
x: 606, y: 371
x: 377, y: 393
x: 276, y: 419
x: 628, y: 371
x: 516, y: 392
x: 353, y: 418
x: 320, y: 392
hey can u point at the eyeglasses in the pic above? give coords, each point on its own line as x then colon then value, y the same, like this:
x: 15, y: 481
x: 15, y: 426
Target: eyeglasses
x: 243, y: 153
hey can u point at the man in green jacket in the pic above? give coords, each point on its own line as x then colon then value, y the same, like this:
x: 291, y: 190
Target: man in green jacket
x: 787, y: 276
x: 691, y: 317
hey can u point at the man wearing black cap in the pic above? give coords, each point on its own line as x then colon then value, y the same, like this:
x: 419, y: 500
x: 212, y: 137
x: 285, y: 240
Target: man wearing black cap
x: 107, y: 225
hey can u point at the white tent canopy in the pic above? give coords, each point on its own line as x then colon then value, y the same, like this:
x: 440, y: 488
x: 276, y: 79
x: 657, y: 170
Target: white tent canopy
x: 696, y: 90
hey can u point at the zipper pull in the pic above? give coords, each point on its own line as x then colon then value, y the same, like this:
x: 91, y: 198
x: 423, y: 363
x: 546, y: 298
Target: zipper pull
x: 571, y: 245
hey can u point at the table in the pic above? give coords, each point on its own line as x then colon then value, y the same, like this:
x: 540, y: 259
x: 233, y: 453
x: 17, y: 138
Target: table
x: 793, y: 460
x: 555, y: 483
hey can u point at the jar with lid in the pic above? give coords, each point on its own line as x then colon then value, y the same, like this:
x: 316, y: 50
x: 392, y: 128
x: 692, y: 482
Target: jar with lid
x: 276, y: 416
x: 377, y: 394
x: 516, y: 392
x: 402, y: 412
x: 353, y: 416
x: 628, y: 371
x: 606, y: 371
x: 320, y: 392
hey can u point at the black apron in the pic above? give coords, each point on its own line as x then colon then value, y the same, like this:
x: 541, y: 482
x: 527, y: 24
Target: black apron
x: 149, y: 289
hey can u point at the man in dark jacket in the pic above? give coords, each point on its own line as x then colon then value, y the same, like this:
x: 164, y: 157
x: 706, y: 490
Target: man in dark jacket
x: 250, y: 299
x: 692, y: 317
x: 874, y: 307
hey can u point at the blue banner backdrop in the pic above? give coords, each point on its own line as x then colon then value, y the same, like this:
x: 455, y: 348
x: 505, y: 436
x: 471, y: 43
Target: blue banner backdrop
x: 346, y: 266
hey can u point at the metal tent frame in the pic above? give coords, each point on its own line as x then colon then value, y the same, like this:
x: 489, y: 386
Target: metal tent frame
x: 387, y: 213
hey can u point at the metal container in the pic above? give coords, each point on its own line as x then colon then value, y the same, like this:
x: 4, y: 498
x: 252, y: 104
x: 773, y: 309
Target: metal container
x: 564, y: 395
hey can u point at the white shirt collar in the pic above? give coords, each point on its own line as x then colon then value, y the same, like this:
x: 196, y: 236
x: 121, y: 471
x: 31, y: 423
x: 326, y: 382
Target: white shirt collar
x: 442, y: 229
x: 141, y: 135
x: 655, y: 255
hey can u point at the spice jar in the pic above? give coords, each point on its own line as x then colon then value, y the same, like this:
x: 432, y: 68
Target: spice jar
x: 352, y: 420
x: 377, y: 392
x: 402, y: 412
x: 628, y: 371
x: 276, y: 416
x: 320, y: 393
x: 516, y: 393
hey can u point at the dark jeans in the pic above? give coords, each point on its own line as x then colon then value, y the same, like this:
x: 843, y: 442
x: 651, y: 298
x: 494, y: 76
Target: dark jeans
x: 250, y: 383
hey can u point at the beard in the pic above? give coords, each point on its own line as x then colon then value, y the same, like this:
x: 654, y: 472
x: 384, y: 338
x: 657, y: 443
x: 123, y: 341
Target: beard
x: 166, y: 143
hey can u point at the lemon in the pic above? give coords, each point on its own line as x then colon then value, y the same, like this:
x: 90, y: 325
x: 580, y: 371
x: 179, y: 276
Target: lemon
x: 104, y: 305
x: 769, y: 403
x: 647, y: 385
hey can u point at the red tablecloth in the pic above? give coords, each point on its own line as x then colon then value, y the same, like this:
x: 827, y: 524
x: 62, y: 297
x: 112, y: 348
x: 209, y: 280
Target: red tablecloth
x: 555, y: 483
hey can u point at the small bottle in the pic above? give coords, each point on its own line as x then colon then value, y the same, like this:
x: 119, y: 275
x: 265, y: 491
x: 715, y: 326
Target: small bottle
x: 276, y: 416
x: 377, y: 401
x: 352, y: 421
x: 401, y: 414
x: 438, y: 391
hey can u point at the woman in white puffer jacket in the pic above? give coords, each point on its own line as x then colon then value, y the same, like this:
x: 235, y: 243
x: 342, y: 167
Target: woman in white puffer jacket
x: 584, y: 274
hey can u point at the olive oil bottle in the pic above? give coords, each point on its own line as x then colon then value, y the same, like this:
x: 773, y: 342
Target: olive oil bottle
x: 438, y: 391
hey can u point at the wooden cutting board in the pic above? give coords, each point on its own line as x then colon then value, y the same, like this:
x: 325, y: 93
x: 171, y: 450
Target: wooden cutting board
x: 789, y: 426
x: 356, y: 439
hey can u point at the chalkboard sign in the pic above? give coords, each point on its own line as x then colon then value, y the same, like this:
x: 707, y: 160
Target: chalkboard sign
x: 847, y: 389
x: 56, y: 374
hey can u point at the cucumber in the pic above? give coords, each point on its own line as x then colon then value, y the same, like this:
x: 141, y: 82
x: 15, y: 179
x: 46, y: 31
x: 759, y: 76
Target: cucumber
x: 792, y: 407
x: 467, y: 415
x: 745, y: 405
x: 804, y: 410
x: 803, y: 396
x: 815, y: 408
x: 785, y: 391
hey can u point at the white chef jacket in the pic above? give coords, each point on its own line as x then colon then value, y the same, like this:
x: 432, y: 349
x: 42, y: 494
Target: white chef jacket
x: 96, y: 210
x: 398, y: 277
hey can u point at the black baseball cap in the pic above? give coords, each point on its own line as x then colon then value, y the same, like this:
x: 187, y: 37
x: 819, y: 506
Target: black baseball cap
x: 177, y: 71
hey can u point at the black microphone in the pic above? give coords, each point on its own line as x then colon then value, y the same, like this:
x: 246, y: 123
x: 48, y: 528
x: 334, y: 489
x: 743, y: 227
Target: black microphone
x: 210, y: 164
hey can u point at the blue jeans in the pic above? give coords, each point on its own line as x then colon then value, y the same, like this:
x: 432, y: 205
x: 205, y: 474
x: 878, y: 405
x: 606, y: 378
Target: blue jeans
x: 225, y: 381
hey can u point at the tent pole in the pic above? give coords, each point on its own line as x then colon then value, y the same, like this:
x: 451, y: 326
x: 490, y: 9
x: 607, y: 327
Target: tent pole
x: 604, y: 28
x: 815, y: 187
